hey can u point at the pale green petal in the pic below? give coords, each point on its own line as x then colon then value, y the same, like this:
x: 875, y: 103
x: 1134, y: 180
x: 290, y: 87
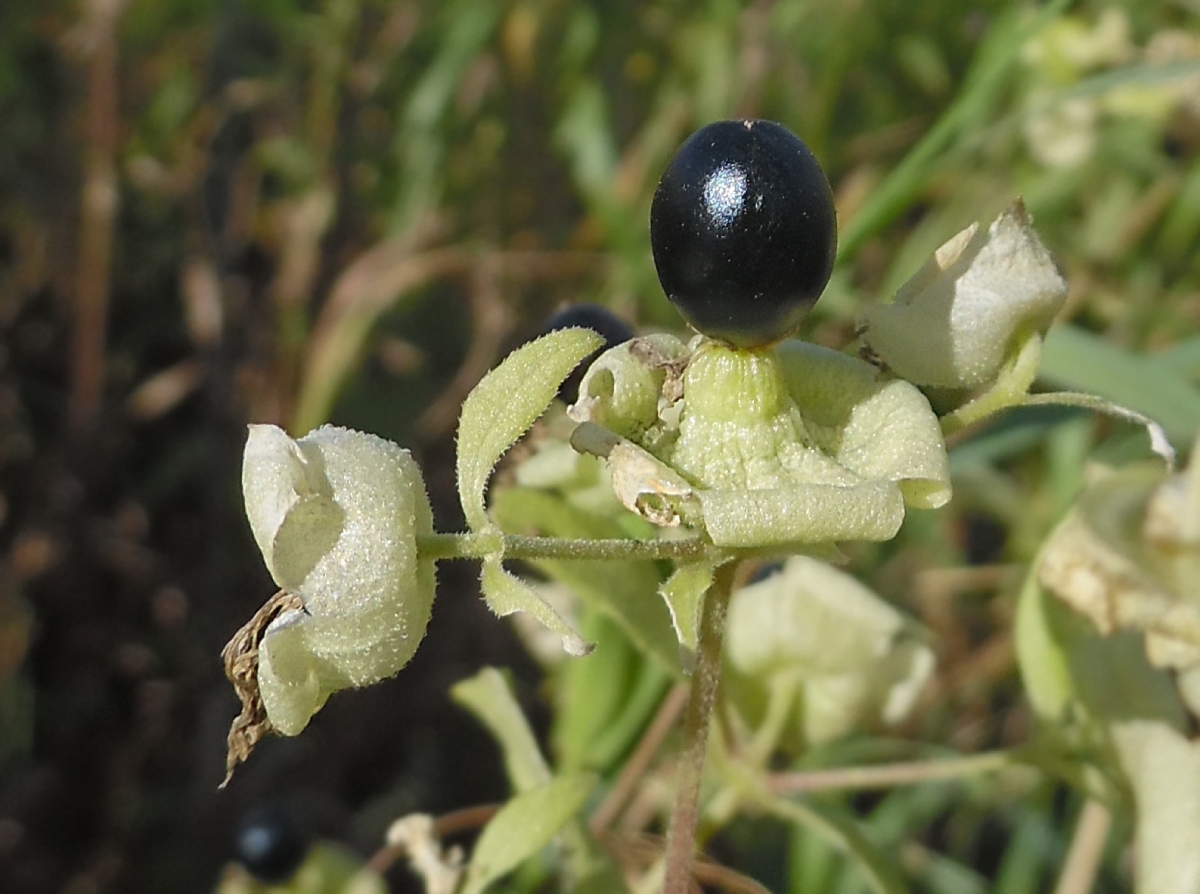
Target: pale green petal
x: 506, y: 403
x: 834, y: 706
x: 289, y: 678
x: 622, y: 389
x: 954, y: 323
x: 856, y: 657
x: 289, y: 503
x: 808, y: 615
x: 802, y: 514
x: 873, y: 425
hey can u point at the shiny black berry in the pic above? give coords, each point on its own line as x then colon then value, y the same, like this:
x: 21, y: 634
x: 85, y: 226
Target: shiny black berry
x: 600, y: 320
x: 743, y: 231
x: 270, y: 846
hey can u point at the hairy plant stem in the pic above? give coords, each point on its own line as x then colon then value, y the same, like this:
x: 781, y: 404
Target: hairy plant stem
x: 516, y: 546
x: 681, y: 834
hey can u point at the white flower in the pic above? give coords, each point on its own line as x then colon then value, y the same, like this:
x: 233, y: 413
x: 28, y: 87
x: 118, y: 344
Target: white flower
x: 336, y: 515
x: 970, y: 308
x: 856, y: 658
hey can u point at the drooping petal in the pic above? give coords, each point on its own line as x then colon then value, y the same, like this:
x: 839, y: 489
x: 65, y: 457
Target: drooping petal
x: 875, y: 426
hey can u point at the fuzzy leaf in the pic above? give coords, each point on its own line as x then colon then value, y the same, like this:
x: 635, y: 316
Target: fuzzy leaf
x: 524, y: 826
x: 506, y: 403
x: 506, y: 593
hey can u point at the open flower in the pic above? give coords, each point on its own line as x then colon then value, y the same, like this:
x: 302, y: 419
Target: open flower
x: 336, y: 515
x: 791, y: 444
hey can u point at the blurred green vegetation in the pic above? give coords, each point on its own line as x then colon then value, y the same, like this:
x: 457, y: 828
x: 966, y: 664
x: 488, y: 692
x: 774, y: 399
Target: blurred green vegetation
x: 297, y: 211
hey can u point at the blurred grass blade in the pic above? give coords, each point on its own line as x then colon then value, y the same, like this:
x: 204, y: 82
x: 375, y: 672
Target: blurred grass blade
x: 842, y: 833
x: 419, y: 144
x: 1131, y: 76
x: 988, y: 76
x: 1075, y: 359
x: 490, y: 698
x: 374, y: 283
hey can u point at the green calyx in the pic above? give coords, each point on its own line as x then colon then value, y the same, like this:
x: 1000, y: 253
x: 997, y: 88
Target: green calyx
x: 741, y: 428
x: 728, y: 384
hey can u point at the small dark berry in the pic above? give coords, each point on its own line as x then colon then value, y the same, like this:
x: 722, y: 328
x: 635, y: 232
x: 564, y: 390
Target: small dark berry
x: 269, y: 845
x: 600, y: 320
x: 743, y: 231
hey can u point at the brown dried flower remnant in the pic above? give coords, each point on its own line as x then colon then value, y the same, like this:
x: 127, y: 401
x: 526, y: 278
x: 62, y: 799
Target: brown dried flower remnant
x: 240, y: 657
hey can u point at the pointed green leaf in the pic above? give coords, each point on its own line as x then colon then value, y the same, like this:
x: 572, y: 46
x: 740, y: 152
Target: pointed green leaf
x: 1045, y: 670
x: 505, y: 594
x: 1075, y: 359
x: 524, y: 826
x: 489, y: 697
x: 1160, y: 443
x: 684, y: 594
x: 506, y: 403
x: 623, y: 590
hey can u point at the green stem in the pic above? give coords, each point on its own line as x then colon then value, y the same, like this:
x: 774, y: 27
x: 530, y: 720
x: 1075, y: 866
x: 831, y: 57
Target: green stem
x: 890, y: 775
x: 681, y: 835
x: 474, y: 545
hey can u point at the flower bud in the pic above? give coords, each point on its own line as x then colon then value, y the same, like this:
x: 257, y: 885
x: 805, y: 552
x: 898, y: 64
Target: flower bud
x: 336, y: 515
x: 970, y: 307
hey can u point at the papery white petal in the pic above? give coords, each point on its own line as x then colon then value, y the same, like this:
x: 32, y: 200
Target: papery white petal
x: 954, y: 323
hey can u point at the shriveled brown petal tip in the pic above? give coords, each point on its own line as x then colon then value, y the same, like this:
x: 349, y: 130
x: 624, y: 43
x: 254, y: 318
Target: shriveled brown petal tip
x: 240, y: 656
